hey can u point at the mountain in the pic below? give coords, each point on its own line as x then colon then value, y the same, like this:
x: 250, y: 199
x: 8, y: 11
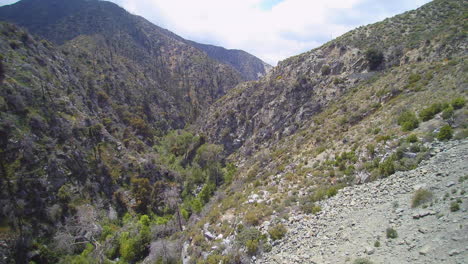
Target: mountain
x: 360, y: 108
x: 248, y: 65
x: 292, y: 95
x: 96, y: 168
x: 60, y: 21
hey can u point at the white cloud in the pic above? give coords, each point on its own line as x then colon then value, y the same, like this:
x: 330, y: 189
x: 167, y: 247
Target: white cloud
x: 270, y: 29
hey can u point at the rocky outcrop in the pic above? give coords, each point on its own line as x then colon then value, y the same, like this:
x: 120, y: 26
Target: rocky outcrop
x: 353, y: 224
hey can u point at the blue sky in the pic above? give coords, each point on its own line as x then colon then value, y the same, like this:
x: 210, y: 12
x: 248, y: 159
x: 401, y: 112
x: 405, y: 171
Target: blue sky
x: 269, y: 29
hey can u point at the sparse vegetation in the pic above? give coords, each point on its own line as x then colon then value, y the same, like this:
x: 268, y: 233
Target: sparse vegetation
x: 391, y: 233
x: 420, y: 197
x: 408, y: 120
x: 454, y: 207
x: 277, y: 232
x: 445, y: 133
x: 362, y: 261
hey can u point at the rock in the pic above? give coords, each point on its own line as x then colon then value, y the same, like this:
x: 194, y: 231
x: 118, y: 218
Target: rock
x: 450, y: 184
x: 423, y: 213
x: 369, y: 250
x: 209, y: 235
x: 425, y: 250
x: 454, y: 252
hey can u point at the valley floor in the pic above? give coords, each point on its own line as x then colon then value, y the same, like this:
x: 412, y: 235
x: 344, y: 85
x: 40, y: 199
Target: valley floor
x: 351, y: 223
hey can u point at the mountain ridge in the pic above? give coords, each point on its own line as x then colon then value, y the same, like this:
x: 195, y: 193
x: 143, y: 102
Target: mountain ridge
x: 87, y: 17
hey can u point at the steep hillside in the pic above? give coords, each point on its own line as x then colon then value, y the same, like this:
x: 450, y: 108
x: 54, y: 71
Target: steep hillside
x: 300, y: 87
x: 94, y: 170
x: 172, y: 79
x: 357, y: 109
x: 83, y: 162
x: 248, y: 65
x: 126, y: 34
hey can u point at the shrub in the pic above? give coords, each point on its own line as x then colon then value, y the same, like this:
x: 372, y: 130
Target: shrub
x: 429, y: 112
x: 362, y: 261
x: 414, y: 78
x: 325, y: 70
x: 454, y: 206
x: 445, y: 133
x: 458, y: 102
x: 412, y: 138
x: 447, y: 113
x: 374, y: 57
x: 391, y: 233
x: 252, y: 247
x: 277, y: 232
x: 252, y: 218
x: 387, y: 167
x: 421, y: 196
x: 408, y: 121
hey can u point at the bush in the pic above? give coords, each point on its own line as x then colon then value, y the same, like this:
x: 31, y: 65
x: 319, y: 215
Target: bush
x: 429, y: 112
x: 252, y: 247
x: 387, y: 167
x: 408, y: 121
x: 374, y: 57
x: 325, y: 70
x: 445, y: 133
x: 421, y: 196
x: 458, y: 102
x: 277, y: 232
x: 412, y: 138
x: 310, y: 208
x: 362, y: 261
x: 391, y: 233
x: 252, y: 218
x: 454, y: 206
x: 447, y: 113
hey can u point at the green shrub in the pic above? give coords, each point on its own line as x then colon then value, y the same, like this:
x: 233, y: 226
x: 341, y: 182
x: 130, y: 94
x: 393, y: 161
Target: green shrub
x: 429, y: 112
x: 458, y: 102
x: 325, y: 70
x: 391, y: 233
x: 387, y: 167
x: 447, y: 113
x: 377, y: 243
x: 362, y: 261
x: 445, y: 133
x: 277, y: 232
x: 454, y: 206
x: 408, y: 121
x: 252, y: 247
x: 374, y: 57
x: 414, y: 78
x: 421, y: 196
x: 412, y: 138
x: 310, y: 208
x: 252, y: 217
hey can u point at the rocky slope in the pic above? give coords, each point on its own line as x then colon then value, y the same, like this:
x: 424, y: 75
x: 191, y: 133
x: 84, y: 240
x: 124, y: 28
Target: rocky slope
x: 353, y: 223
x: 299, y: 88
x: 355, y: 110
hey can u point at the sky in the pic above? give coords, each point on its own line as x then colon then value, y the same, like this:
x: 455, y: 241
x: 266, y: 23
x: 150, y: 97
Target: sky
x: 272, y: 30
